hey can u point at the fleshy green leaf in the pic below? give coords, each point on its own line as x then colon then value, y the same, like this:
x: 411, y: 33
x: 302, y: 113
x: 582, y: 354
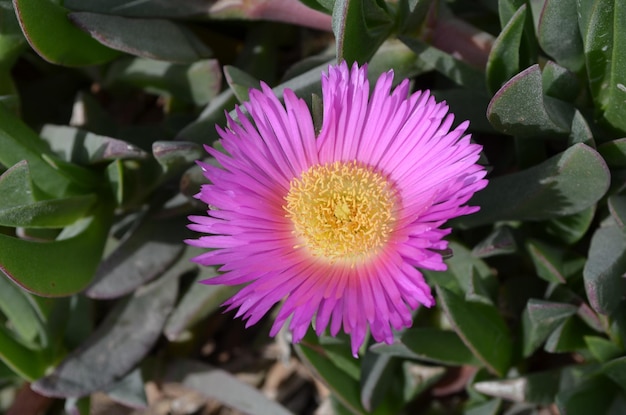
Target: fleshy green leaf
x: 149, y: 38
x: 553, y: 264
x: 431, y: 345
x: 491, y: 407
x: 596, y: 394
x: 18, y: 142
x: 602, y: 349
x: 503, y: 60
x: 614, y: 153
x: 360, y: 27
x: 481, y: 328
x: 83, y: 147
x: 378, y: 373
x: 343, y: 386
x: 562, y: 185
x: 176, y: 155
x: 604, y: 270
x: 499, y: 242
x: 604, y: 40
x: 540, y: 319
x: 418, y: 378
x: 27, y: 363
x: 616, y: 371
x: 196, y: 83
x: 133, y: 326
x: 53, y: 273
x: 53, y: 213
x: 185, y: 9
x: 520, y: 108
x: 68, y: 46
x: 462, y: 267
x: 456, y: 70
x: 568, y: 337
x: 617, y: 207
x: 240, y: 82
x: 571, y: 228
x: 19, y: 311
x: 558, y: 33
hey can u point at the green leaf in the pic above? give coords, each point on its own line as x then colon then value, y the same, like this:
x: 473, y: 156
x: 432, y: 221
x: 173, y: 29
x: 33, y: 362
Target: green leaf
x: 491, y: 407
x: 12, y: 41
x: 565, y: 184
x: 540, y: 319
x: 342, y: 385
x: 503, y: 62
x: 19, y: 311
x: 568, y: 337
x: 18, y: 142
x: 173, y: 156
x: 222, y: 386
x: 143, y: 9
x: 616, y: 371
x: 604, y: 270
x: 84, y: 148
x: 462, y: 267
x: 520, y: 108
x: 26, y: 363
x: 53, y: 213
x: 430, y: 345
x: 196, y: 83
x: 456, y: 70
x: 595, y: 395
x: 617, y: 208
x: 69, y: 46
x: 481, y: 328
x: 378, y: 375
x: 500, y: 241
x: 240, y: 82
x: 54, y: 273
x: 614, y: 153
x: 602, y: 349
x: 360, y: 27
x: 148, y: 38
x: 571, y: 228
x: 419, y: 378
x: 560, y: 83
x: 604, y: 40
x: 19, y: 207
x: 553, y: 264
x: 559, y: 35
x: 125, y: 329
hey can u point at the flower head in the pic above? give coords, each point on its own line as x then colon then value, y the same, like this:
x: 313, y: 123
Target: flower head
x: 337, y: 224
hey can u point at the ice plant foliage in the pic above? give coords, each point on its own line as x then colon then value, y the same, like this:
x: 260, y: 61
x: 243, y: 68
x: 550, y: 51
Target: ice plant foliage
x: 336, y: 225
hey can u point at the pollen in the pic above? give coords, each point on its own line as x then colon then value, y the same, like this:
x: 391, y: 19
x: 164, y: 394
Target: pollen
x: 342, y: 211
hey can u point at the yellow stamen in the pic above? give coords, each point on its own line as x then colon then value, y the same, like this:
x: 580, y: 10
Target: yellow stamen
x: 342, y: 211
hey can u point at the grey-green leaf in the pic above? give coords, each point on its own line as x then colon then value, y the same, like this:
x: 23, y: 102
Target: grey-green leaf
x: 149, y: 38
x: 604, y: 270
x: 131, y: 329
x: 562, y: 185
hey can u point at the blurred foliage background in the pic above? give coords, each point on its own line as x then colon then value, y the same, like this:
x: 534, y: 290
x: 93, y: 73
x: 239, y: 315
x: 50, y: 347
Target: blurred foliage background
x: 105, y: 106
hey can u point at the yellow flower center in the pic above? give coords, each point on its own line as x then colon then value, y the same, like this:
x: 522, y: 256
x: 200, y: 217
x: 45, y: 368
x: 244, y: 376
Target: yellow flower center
x: 342, y: 211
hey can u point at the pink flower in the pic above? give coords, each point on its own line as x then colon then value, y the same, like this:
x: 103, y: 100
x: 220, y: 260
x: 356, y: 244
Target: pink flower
x: 336, y: 224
